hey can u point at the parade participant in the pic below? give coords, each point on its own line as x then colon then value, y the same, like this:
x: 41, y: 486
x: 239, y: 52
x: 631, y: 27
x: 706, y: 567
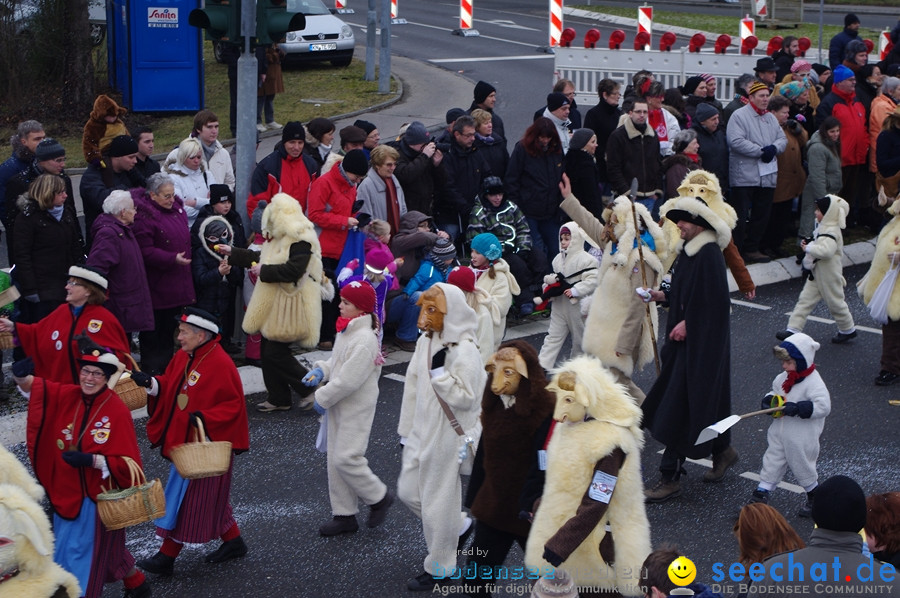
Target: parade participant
x: 348, y: 402
x: 575, y: 270
x: 693, y: 389
x: 286, y: 305
x: 514, y: 406
x: 493, y: 275
x: 620, y: 329
x: 200, y: 384
x: 51, y: 343
x: 591, y: 515
x: 445, y: 369
x: 79, y: 437
x: 825, y: 280
x: 485, y: 309
x: 793, y: 442
x: 375, y: 272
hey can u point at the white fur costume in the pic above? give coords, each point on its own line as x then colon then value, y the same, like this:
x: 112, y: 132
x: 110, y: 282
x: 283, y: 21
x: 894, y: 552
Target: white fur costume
x: 23, y: 521
x: 572, y: 455
x: 502, y: 288
x: 429, y: 481
x: 566, y: 317
x: 794, y: 442
x: 287, y: 312
x: 888, y: 242
x: 827, y: 249
x: 13, y: 472
x: 350, y: 397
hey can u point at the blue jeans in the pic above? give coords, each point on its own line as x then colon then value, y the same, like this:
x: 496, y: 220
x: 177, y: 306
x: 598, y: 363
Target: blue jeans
x: 545, y: 236
x: 405, y: 313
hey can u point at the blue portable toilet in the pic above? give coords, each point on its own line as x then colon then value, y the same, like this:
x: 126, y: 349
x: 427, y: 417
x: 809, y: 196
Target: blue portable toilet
x: 155, y: 57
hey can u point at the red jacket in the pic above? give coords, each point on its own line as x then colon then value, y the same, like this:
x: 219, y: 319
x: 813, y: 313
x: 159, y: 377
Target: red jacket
x: 330, y: 205
x: 852, y: 116
x: 278, y: 172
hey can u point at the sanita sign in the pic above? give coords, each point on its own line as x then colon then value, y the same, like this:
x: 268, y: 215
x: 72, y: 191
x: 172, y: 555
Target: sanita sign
x: 162, y: 17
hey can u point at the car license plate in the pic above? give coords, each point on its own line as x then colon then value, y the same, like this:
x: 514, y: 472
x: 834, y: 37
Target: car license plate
x: 321, y: 47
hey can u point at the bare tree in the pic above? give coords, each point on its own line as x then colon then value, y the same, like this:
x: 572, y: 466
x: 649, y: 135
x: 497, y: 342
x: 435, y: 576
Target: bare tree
x: 78, y: 68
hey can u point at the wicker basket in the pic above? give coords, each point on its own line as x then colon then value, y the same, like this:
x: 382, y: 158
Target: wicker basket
x: 201, y: 458
x: 141, y: 502
x: 134, y: 396
x: 6, y: 341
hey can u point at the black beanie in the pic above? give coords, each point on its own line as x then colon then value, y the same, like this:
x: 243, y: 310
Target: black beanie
x: 823, y: 203
x: 365, y: 125
x: 123, y: 145
x: 49, y: 149
x: 293, y: 130
x: 690, y: 86
x: 839, y: 504
x: 482, y: 90
x: 218, y: 192
x: 850, y: 19
x: 355, y: 162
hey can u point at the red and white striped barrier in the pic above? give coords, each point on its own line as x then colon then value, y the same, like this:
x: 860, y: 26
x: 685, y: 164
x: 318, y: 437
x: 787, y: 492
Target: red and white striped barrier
x: 645, y: 23
x: 760, y: 6
x: 340, y: 4
x: 394, y: 11
x: 884, y: 44
x: 466, y: 10
x: 340, y: 7
x: 556, y: 21
x: 748, y: 28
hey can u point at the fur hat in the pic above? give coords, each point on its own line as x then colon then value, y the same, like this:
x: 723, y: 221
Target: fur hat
x: 799, y: 347
x: 705, y: 111
x: 854, y: 47
x: 488, y: 245
x: 219, y: 192
x: 556, y: 100
x: 462, y: 277
x: 90, y: 274
x: 361, y: 294
x: 293, y: 130
x: 839, y: 505
x: 698, y: 211
x: 683, y: 139
x: 492, y: 185
x: 123, y: 145
x: 823, y: 203
x: 48, y: 149
x: 355, y: 162
x: 482, y: 90
x: 365, y: 125
x: 416, y: 133
x: 580, y: 138
x: 199, y: 318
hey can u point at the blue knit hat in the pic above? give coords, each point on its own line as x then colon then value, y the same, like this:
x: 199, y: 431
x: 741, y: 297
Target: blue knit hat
x: 841, y: 73
x: 487, y: 245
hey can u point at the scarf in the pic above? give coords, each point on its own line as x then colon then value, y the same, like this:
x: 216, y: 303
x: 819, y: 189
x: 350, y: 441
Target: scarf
x: 846, y: 96
x: 796, y: 378
x: 489, y: 139
x: 393, y: 204
x: 208, y: 151
x: 57, y: 212
x: 658, y: 123
x: 757, y: 110
x: 693, y: 157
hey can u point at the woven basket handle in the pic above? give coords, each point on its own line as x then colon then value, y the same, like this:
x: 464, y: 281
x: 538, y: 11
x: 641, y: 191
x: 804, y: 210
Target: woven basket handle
x: 134, y: 365
x: 135, y: 473
x: 199, y: 432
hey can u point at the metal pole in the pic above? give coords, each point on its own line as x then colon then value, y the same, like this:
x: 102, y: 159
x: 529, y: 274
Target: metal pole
x: 371, y: 25
x: 821, y: 22
x: 384, y: 64
x: 246, y: 112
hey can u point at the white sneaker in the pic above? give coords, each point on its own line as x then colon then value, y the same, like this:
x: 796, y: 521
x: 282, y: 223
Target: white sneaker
x: 262, y: 128
x: 273, y: 125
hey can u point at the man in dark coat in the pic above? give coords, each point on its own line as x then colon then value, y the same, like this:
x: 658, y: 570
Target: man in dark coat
x: 28, y: 135
x: 632, y: 151
x: 713, y: 150
x: 288, y: 169
x: 485, y: 97
x: 693, y: 389
x: 420, y: 168
x: 840, y: 41
x: 466, y: 168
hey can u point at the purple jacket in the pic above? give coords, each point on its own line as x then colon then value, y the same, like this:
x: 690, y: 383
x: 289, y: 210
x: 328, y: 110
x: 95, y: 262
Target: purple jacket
x: 162, y: 234
x: 116, y: 252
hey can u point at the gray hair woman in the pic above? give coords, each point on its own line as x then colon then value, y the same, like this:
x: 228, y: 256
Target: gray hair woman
x: 115, y: 251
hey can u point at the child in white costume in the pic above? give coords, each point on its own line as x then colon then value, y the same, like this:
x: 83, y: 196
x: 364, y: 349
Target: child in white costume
x: 793, y: 436
x: 348, y: 400
x: 486, y: 309
x: 493, y: 275
x: 578, y: 268
x: 826, y: 280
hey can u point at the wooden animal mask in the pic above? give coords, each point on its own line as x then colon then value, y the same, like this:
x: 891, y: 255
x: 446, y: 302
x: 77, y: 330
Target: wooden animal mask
x: 571, y: 402
x: 433, y: 306
x: 508, y: 368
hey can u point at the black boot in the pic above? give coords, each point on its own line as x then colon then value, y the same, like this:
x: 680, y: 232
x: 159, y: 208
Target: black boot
x: 378, y: 511
x: 339, y: 524
x: 806, y: 509
x: 142, y: 591
x: 158, y: 564
x: 232, y: 549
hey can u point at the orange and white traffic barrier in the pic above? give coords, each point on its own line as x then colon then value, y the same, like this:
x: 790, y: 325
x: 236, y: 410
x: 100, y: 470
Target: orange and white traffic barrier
x: 465, y: 14
x: 645, y: 19
x: 556, y: 21
x: 394, y: 11
x: 884, y: 44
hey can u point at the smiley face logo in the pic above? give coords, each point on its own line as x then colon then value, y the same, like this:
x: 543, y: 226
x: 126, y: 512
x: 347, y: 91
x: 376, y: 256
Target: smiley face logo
x: 682, y: 571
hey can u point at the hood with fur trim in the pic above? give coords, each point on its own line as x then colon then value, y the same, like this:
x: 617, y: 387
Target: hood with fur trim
x: 579, y: 238
x: 106, y: 106
x: 699, y: 208
x: 804, y: 345
x: 460, y: 320
x: 837, y: 212
x: 201, y: 233
x: 624, y: 229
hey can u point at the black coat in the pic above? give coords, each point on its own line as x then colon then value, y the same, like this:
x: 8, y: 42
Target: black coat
x: 584, y: 176
x: 214, y: 292
x: 419, y: 177
x: 693, y: 389
x: 532, y: 182
x: 45, y: 249
x: 18, y: 185
x: 495, y: 153
x: 713, y: 153
x: 466, y: 169
x: 602, y: 119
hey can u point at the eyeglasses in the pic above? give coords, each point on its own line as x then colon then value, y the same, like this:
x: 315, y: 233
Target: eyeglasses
x: 92, y: 373
x: 61, y: 160
x: 74, y: 283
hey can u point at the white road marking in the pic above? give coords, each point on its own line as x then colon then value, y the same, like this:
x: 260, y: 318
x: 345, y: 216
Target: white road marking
x: 747, y: 474
x: 491, y: 58
x: 750, y: 305
x: 395, y: 377
x: 510, y: 25
x: 827, y: 321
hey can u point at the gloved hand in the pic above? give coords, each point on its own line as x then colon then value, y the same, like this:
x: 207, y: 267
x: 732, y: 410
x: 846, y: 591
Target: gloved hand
x: 23, y: 367
x: 804, y: 409
x: 438, y: 360
x: 791, y: 409
x: 314, y: 377
x: 319, y: 409
x: 142, y: 379
x: 78, y: 459
x: 644, y: 294
x: 768, y: 153
x: 552, y: 558
x: 363, y: 219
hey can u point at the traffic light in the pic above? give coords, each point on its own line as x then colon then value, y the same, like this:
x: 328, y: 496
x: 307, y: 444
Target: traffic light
x: 220, y: 18
x: 273, y: 21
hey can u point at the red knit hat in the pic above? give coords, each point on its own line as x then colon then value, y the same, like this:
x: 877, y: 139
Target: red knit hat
x: 361, y: 294
x: 462, y: 277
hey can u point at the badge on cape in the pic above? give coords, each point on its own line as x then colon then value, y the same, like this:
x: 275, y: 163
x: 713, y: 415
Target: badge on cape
x: 101, y: 431
x: 94, y: 326
x: 193, y: 378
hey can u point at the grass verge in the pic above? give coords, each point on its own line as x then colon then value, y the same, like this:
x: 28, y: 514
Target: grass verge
x: 310, y: 91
